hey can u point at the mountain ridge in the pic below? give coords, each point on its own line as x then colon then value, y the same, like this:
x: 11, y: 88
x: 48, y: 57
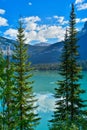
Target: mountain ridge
x: 43, y: 53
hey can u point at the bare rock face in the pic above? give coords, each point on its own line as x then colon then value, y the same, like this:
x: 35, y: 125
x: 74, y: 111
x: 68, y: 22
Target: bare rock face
x: 84, y: 29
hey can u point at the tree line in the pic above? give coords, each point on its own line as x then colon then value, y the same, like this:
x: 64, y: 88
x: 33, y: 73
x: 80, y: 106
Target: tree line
x: 56, y: 66
x: 17, y: 99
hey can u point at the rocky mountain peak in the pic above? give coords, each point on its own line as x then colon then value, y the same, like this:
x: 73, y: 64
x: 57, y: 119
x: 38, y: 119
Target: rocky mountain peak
x: 85, y: 25
x: 84, y: 29
x: 42, y: 44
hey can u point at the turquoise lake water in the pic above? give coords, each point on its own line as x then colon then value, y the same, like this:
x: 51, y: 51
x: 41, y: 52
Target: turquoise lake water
x: 45, y: 82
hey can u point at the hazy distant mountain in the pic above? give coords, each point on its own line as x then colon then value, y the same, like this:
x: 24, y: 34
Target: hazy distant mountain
x: 83, y: 31
x: 4, y: 43
x: 42, y: 44
x: 83, y: 42
x: 45, y: 54
x: 50, y: 53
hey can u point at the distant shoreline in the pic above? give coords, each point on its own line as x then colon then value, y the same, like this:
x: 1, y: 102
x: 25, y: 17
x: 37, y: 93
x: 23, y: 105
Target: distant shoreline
x: 56, y: 66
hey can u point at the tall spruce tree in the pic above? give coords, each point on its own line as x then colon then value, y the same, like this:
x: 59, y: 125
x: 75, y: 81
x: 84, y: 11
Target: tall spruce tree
x: 2, y: 87
x: 24, y: 99
x: 8, y: 92
x: 76, y: 103
x: 69, y: 105
x: 62, y: 92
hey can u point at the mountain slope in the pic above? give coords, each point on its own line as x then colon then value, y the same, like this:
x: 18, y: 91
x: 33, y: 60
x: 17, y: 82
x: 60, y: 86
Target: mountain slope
x: 44, y: 53
x: 82, y: 42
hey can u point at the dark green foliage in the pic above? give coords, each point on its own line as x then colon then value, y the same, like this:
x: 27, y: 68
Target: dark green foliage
x: 69, y: 105
x: 24, y: 99
x: 6, y: 91
x: 2, y: 88
x: 76, y: 103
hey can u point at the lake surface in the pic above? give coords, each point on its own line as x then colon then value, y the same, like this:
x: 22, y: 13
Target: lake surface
x: 45, y: 82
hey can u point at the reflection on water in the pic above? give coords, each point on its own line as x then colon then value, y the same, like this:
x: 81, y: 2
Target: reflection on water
x: 45, y: 82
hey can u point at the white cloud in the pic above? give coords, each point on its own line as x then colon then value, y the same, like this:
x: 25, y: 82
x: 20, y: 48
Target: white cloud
x: 36, y: 32
x: 79, y: 20
x: 44, y: 32
x: 84, y: 20
x: 2, y: 11
x: 55, y: 16
x: 46, y: 102
x: 30, y: 3
x: 31, y: 19
x: 54, y: 32
x: 79, y: 1
x: 30, y: 36
x: 3, y: 22
x: 31, y: 22
x: 31, y: 26
x: 60, y: 19
x: 82, y: 6
x: 65, y: 22
x: 42, y: 27
x: 11, y: 33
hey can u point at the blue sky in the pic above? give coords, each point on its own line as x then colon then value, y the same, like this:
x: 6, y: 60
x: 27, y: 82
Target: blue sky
x: 44, y: 20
